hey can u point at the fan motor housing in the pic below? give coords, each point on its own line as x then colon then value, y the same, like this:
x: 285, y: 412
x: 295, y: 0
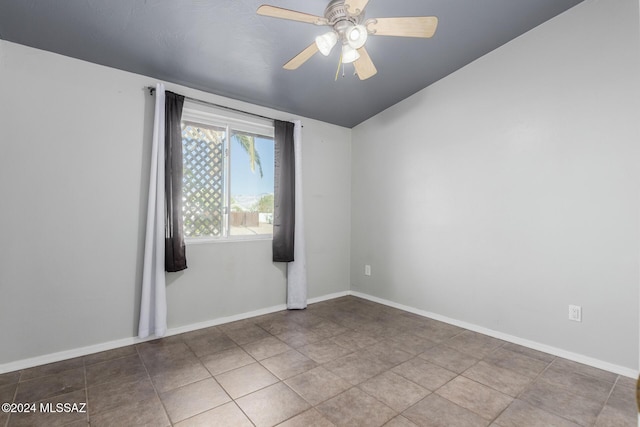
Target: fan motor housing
x: 336, y: 14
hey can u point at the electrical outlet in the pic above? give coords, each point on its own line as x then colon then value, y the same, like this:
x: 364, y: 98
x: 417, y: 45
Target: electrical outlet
x: 367, y: 270
x: 575, y: 313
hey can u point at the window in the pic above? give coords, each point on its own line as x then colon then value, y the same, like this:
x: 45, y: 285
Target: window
x: 228, y: 171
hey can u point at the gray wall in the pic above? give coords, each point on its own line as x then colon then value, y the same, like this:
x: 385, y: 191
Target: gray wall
x: 75, y: 142
x: 509, y: 190
x: 497, y: 196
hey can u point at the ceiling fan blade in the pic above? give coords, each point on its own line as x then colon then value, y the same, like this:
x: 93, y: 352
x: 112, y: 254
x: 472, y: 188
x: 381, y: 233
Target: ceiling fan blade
x: 302, y: 57
x: 355, y: 7
x: 364, y: 65
x: 292, y: 15
x: 417, y: 26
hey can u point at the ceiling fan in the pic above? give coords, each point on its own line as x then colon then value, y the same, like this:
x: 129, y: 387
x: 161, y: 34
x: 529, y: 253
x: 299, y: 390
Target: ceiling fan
x: 346, y: 18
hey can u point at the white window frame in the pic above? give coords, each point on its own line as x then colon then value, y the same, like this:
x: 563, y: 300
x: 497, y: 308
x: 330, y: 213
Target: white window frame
x: 231, y: 121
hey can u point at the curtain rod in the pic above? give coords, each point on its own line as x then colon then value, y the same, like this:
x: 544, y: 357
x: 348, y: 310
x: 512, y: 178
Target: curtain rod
x: 211, y: 104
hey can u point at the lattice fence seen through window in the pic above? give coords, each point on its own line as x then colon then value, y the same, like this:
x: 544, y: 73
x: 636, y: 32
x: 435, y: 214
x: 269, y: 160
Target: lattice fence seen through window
x: 203, y: 180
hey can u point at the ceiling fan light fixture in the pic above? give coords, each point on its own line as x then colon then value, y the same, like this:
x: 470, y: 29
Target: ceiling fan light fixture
x: 326, y: 42
x: 349, y: 54
x: 356, y: 36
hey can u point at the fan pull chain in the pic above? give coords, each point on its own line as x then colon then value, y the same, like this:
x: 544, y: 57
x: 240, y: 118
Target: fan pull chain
x: 338, y: 70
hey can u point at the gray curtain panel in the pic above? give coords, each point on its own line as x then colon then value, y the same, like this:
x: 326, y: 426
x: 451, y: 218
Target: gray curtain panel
x: 175, y: 258
x: 284, y: 193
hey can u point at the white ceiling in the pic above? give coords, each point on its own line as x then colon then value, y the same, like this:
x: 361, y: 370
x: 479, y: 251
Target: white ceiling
x: 223, y: 47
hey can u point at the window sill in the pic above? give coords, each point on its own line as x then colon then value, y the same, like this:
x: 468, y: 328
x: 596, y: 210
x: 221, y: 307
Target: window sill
x: 236, y: 239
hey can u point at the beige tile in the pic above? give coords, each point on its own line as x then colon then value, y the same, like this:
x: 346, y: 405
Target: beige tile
x: 378, y: 329
x: 278, y: 325
x: 266, y: 347
x: 437, y: 331
x: 408, y: 322
x: 400, y: 421
x: 354, y: 340
x: 323, y: 351
x: 304, y: 318
x: 227, y: 415
x: 210, y: 331
x: 350, y: 319
x: 309, y: 418
x: 9, y: 378
x: 449, y: 358
x: 51, y: 417
x: 52, y: 369
x: 272, y: 405
x: 436, y: 411
x: 247, y: 334
x: 327, y: 328
x: 317, y: 385
x: 209, y: 343
x: 386, y: 351
x: 44, y: 387
x: 184, y: 372
x: 162, y: 347
x: 613, y: 417
x: 501, y: 379
x: 332, y: 333
x: 146, y: 413
x: 227, y: 360
x: 238, y: 324
x: 111, y: 395
x: 160, y: 355
x: 520, y: 414
x: 114, y: 370
x: 81, y: 423
x: 288, y: 364
x: 245, y: 380
x: 517, y: 362
x: 355, y: 368
x: 394, y: 391
x: 476, y: 397
x: 578, y: 383
x: 299, y: 338
x: 412, y: 344
x: 558, y: 401
x: 424, y: 373
x: 7, y: 392
x: 534, y: 354
x: 623, y: 396
x: 474, y: 344
x: 116, y: 353
x: 193, y: 399
x: 355, y: 408
x: 626, y: 382
x: 579, y: 368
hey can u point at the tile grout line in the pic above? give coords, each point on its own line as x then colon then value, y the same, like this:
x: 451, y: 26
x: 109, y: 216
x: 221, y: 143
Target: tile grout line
x: 155, y: 390
x: 608, y: 397
x: 86, y: 389
x: 15, y: 393
x: 351, y: 324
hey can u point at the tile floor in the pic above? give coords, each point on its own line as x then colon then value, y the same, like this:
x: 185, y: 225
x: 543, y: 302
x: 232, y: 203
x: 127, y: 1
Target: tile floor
x: 344, y: 362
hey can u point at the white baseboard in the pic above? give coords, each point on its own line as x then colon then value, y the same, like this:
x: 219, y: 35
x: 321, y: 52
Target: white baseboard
x: 84, y: 351
x: 328, y: 297
x: 576, y: 357
x: 110, y: 345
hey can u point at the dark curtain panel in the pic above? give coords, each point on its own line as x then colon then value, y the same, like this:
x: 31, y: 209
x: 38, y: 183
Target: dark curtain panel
x: 174, y: 251
x: 284, y: 194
